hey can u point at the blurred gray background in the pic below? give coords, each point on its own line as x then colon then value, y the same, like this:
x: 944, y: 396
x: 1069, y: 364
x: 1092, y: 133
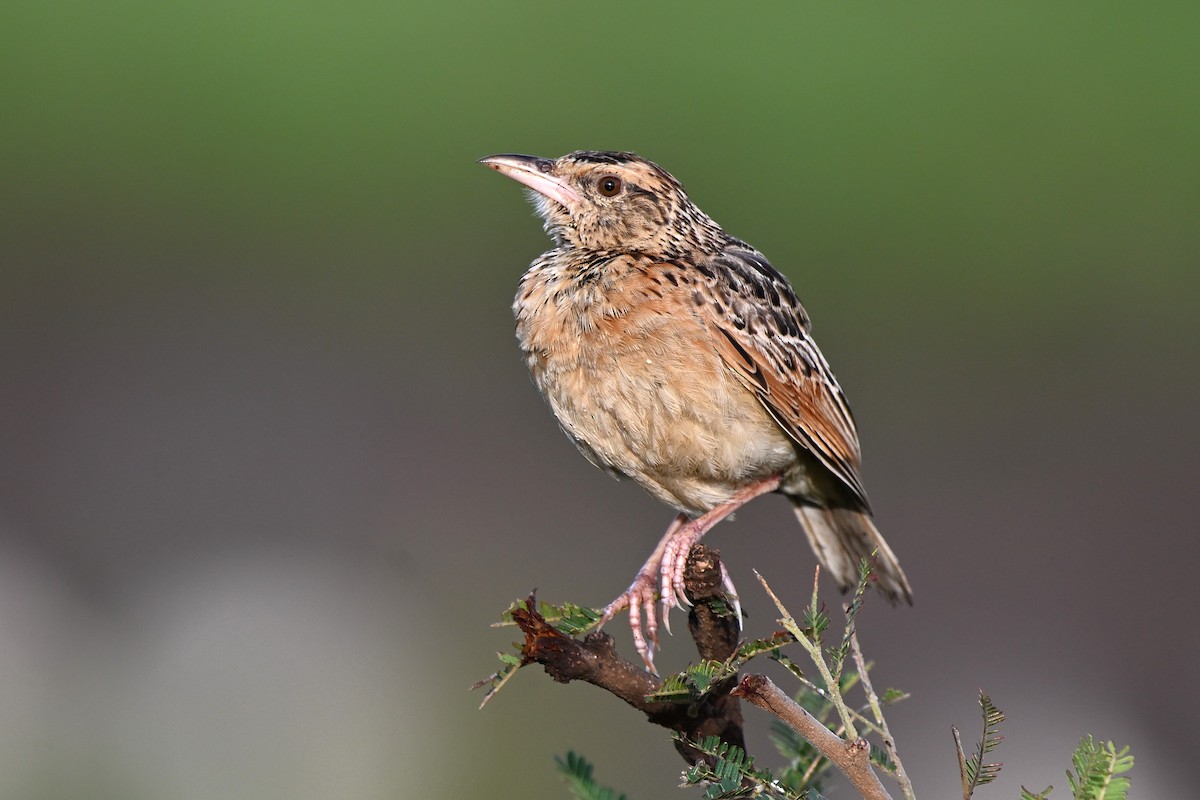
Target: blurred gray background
x: 269, y: 464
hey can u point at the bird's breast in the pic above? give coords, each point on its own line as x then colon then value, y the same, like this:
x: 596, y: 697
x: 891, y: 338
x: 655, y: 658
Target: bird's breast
x: 632, y: 377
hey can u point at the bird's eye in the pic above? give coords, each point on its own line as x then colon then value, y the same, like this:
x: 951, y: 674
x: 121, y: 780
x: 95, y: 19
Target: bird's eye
x: 609, y: 185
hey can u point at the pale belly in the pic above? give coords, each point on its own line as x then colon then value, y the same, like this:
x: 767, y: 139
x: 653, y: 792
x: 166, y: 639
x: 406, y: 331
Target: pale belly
x: 665, y: 412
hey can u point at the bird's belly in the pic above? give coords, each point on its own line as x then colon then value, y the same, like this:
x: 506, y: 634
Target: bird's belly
x: 666, y: 413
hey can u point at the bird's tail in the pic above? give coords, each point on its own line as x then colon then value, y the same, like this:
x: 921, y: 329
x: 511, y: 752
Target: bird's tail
x: 842, y: 537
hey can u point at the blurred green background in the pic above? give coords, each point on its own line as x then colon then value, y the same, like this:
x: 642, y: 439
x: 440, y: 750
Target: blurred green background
x: 270, y: 464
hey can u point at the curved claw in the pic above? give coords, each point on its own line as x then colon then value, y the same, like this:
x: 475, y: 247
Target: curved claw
x: 673, y: 567
x: 727, y: 582
x: 677, y: 583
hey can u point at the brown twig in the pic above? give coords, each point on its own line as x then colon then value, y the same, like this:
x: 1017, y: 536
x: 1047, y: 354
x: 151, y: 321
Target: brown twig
x: 594, y: 660
x: 852, y: 758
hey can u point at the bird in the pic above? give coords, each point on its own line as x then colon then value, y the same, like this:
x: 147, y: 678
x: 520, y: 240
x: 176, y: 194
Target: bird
x: 676, y: 355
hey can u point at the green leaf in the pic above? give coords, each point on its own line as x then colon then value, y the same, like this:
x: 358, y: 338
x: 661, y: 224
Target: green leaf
x: 974, y: 771
x: 674, y: 689
x: 789, y: 665
x: 881, y: 759
x: 577, y: 772
x: 692, y: 683
x: 1098, y: 768
x: 758, y: 647
x: 495, y: 682
x: 839, y: 654
x: 729, y: 774
x: 814, y: 622
x: 567, y: 618
x: 704, y: 674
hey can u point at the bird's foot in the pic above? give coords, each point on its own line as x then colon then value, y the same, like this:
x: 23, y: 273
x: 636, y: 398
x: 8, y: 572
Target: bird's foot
x: 673, y: 589
x: 640, y: 599
x: 641, y: 596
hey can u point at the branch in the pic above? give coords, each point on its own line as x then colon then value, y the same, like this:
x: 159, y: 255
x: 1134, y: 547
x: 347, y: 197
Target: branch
x: 595, y: 660
x: 852, y: 758
x: 715, y: 630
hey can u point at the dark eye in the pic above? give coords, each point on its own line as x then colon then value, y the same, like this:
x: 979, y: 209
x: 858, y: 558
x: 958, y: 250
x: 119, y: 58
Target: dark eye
x: 609, y: 185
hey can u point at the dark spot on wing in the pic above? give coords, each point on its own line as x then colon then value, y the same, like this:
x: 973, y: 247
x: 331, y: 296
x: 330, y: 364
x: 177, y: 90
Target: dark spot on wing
x: 751, y: 365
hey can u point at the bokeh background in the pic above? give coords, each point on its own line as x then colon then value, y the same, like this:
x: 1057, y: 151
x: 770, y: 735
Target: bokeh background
x: 269, y: 464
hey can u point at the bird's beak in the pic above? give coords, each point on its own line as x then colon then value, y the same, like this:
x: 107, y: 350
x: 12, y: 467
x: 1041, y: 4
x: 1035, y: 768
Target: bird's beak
x: 537, y: 174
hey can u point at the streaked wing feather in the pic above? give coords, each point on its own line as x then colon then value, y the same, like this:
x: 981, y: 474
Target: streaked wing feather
x: 763, y: 337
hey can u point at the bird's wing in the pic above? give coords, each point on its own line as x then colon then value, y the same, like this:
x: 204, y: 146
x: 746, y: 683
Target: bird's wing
x: 762, y: 335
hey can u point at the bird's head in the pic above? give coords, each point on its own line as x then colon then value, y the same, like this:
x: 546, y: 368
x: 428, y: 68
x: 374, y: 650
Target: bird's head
x: 610, y: 201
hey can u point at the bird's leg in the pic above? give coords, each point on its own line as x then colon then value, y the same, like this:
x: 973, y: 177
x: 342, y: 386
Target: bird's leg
x: 680, y: 541
x: 665, y: 567
x: 640, y: 597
